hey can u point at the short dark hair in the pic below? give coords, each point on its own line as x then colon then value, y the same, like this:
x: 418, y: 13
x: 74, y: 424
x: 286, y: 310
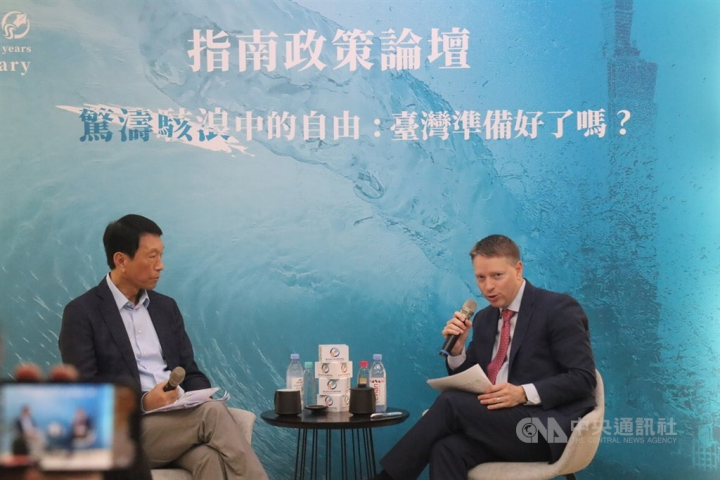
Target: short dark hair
x: 496, y: 246
x: 123, y: 235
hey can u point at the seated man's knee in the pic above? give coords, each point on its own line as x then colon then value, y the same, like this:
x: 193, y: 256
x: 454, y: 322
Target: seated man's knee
x: 454, y: 397
x: 217, y: 411
x: 214, y: 406
x: 210, y: 457
x: 217, y: 422
x: 449, y: 401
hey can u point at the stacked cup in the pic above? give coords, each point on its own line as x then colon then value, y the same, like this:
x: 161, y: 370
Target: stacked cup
x: 334, y: 373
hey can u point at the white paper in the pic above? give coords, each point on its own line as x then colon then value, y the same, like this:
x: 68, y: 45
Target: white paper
x: 192, y: 399
x: 471, y: 380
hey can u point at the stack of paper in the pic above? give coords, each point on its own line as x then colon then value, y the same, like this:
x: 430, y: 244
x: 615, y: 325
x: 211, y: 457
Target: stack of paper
x: 193, y: 399
x: 471, y: 380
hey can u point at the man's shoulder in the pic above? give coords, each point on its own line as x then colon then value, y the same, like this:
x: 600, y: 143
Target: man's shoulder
x: 561, y: 307
x: 84, y: 307
x: 161, y: 300
x: 550, y: 296
x: 91, y: 296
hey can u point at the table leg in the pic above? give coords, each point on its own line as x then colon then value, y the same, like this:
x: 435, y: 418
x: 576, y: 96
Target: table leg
x: 357, y: 463
x: 366, y: 448
x: 343, y: 457
x: 313, y: 455
x: 369, y: 451
x: 372, y: 472
x: 361, y: 444
x: 300, y: 455
x: 328, y: 454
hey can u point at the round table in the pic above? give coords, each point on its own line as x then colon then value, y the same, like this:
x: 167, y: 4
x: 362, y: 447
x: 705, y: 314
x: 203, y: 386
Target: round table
x: 361, y: 439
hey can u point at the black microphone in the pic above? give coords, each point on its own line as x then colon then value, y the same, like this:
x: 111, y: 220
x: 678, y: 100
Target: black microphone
x: 468, y: 309
x: 176, y: 378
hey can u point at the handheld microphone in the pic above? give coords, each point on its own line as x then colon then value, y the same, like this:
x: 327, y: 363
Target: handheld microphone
x: 468, y: 309
x: 176, y: 378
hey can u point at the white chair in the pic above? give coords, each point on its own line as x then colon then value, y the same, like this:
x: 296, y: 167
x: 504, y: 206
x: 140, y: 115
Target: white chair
x: 245, y: 421
x: 579, y: 452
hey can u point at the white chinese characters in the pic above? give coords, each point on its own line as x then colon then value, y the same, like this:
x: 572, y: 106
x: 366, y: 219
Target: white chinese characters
x: 211, y: 51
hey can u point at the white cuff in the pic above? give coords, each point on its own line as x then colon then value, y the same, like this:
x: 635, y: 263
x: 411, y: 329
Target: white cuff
x: 142, y: 405
x: 457, y: 360
x: 532, y: 394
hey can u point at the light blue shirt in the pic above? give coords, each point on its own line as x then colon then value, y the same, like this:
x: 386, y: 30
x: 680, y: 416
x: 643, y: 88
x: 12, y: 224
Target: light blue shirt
x: 143, y: 338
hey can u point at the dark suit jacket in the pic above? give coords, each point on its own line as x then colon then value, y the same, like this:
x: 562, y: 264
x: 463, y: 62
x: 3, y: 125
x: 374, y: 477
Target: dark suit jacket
x: 94, y: 340
x: 550, y: 349
x: 19, y: 426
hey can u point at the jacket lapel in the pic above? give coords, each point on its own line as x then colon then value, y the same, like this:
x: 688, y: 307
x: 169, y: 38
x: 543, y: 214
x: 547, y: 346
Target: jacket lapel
x: 527, y: 307
x: 114, y: 323
x: 162, y: 329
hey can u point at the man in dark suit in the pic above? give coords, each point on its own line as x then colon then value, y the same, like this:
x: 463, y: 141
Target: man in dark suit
x: 26, y: 433
x: 123, y: 329
x: 534, y: 346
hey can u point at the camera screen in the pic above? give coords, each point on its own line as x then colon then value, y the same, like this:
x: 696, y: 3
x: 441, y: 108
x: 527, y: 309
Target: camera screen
x: 59, y: 426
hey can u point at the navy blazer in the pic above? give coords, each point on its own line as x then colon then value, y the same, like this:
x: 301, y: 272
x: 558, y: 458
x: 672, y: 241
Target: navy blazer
x: 550, y: 349
x: 93, y: 338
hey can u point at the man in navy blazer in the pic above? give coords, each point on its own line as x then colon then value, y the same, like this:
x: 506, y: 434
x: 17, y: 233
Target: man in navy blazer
x: 122, y: 329
x: 534, y: 345
x: 106, y: 351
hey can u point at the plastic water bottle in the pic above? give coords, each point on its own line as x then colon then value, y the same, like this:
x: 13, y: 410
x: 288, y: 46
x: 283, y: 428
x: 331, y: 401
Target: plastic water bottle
x: 294, y: 375
x: 309, y: 391
x: 363, y: 378
x: 378, y: 382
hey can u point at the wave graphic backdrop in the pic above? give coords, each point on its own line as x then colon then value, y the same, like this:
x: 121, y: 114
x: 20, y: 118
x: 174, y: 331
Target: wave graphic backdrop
x: 365, y: 241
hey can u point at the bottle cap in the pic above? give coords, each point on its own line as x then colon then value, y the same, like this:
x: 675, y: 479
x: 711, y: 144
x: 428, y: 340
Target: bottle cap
x: 363, y: 363
x: 308, y: 364
x: 377, y: 356
x: 294, y: 356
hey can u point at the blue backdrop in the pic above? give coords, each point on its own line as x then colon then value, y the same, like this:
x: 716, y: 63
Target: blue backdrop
x: 284, y: 233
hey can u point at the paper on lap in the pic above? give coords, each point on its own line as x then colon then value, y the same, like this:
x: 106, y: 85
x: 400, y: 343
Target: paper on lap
x: 192, y: 399
x: 472, y: 380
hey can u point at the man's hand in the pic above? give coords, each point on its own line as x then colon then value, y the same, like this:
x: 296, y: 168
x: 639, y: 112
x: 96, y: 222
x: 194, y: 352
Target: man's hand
x: 458, y: 325
x: 503, y: 395
x: 157, y: 398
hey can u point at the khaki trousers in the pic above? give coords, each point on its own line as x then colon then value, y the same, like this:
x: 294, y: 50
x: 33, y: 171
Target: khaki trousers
x: 204, y: 440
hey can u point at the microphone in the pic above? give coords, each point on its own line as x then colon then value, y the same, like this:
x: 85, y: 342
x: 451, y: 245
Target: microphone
x: 468, y: 309
x: 176, y: 378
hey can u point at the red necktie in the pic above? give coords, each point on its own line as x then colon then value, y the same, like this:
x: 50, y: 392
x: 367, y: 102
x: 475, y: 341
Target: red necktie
x: 499, y: 359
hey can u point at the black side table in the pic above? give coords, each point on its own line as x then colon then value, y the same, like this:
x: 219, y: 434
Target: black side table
x: 361, y: 439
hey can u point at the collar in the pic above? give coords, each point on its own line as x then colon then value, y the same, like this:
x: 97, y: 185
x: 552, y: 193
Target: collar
x: 121, y: 300
x: 515, y: 304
